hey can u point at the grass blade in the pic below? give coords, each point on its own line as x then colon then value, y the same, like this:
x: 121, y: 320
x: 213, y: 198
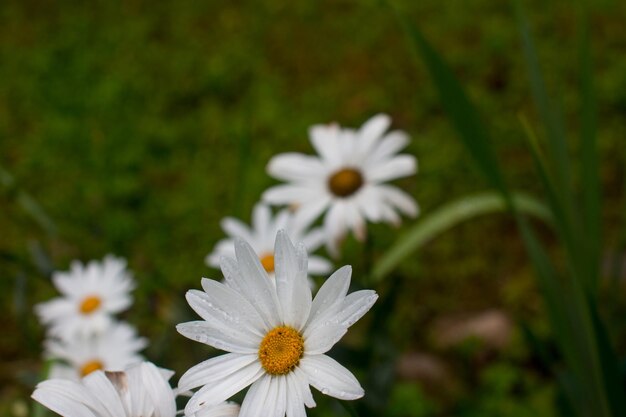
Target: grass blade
x: 589, y: 169
x: 462, y: 113
x: 447, y: 217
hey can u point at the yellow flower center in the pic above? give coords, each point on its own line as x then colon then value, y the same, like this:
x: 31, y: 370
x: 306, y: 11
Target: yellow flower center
x: 90, y: 367
x: 280, y: 350
x: 90, y: 304
x: 345, y: 182
x: 268, y: 262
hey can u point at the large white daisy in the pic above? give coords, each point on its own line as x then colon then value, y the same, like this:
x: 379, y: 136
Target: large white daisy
x: 140, y: 391
x: 276, y: 335
x: 347, y: 179
x: 91, y: 293
x: 111, y: 350
x: 262, y: 235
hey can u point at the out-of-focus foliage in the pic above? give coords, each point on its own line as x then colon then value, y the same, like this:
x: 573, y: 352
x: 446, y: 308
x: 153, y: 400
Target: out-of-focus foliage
x: 138, y: 125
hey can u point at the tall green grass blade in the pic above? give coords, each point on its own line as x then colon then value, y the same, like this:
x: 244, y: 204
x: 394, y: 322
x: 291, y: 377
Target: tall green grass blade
x: 447, y: 217
x: 568, y: 303
x: 559, y: 164
x: 557, y: 144
x: 456, y: 103
x: 589, y: 169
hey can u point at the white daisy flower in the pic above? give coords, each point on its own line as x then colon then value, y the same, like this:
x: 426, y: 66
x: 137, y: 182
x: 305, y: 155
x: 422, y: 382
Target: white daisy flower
x: 112, y: 350
x: 90, y: 295
x: 347, y: 179
x: 140, y: 391
x: 262, y: 235
x: 276, y: 336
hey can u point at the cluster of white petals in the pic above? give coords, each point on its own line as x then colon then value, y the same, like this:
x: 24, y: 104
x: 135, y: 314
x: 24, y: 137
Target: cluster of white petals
x: 90, y: 295
x: 276, y: 335
x: 83, y: 333
x: 262, y: 235
x: 347, y: 180
x: 142, y: 390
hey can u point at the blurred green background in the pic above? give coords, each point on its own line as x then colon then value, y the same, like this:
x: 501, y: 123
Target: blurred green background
x: 138, y: 125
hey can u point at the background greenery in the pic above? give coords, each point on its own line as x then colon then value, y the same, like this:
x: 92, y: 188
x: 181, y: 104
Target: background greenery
x: 137, y: 126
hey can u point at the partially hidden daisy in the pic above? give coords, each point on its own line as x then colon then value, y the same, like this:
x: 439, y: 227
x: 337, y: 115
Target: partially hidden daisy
x: 114, y: 349
x: 90, y: 294
x: 262, y: 235
x: 140, y: 391
x: 276, y: 335
x: 347, y: 180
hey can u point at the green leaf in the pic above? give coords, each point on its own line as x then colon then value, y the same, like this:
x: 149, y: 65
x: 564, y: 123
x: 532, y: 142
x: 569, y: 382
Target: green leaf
x: 447, y: 217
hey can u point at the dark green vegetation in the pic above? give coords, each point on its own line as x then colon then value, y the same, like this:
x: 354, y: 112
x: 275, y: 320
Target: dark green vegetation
x: 138, y: 126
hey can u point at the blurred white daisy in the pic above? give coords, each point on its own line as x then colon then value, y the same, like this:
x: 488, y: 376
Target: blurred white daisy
x: 114, y: 349
x: 90, y: 295
x: 347, y: 179
x: 262, y: 235
x: 140, y: 391
x: 276, y: 335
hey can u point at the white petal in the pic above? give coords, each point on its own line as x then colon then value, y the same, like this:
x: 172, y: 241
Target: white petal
x: 289, y: 194
x: 319, y: 265
x: 256, y: 285
x: 97, y: 382
x: 396, y: 167
x: 202, y: 332
x: 292, y: 287
x: 214, y: 369
x: 313, y: 239
x: 302, y: 381
x: 308, y: 212
x: 371, y: 132
x: 331, y: 378
x: 295, y: 400
x: 329, y: 297
x: 335, y: 227
x: 214, y: 394
x: 404, y: 202
x: 320, y: 339
x: 225, y: 409
x: 369, y: 201
x: 295, y: 167
x: 354, y: 306
x: 255, y: 402
x: 236, y: 228
x: 254, y: 289
x: 261, y: 217
x: 68, y: 398
x: 324, y: 139
x: 220, y: 315
x: 355, y: 221
x: 158, y: 390
x: 392, y: 143
x: 232, y: 307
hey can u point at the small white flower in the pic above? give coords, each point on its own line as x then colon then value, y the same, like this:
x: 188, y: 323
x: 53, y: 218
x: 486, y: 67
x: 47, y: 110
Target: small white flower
x: 90, y: 295
x: 262, y: 235
x: 277, y: 335
x: 112, y: 350
x: 140, y: 391
x: 347, y: 180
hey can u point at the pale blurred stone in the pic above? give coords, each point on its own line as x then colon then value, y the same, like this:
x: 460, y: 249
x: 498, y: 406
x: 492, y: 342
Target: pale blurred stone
x: 492, y: 327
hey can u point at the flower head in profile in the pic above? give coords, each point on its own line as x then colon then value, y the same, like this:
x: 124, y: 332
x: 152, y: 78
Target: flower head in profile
x: 114, y: 349
x: 262, y: 235
x: 276, y: 335
x: 140, y: 391
x: 90, y: 294
x: 347, y: 180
